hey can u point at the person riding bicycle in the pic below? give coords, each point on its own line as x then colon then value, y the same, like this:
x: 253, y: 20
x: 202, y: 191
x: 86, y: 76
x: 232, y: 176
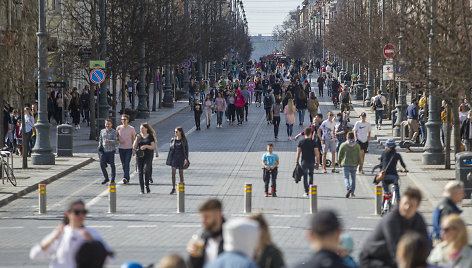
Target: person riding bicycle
x: 389, y: 161
x: 345, y: 98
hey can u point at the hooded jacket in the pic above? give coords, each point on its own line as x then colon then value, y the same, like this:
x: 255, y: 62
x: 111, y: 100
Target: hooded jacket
x: 240, y: 101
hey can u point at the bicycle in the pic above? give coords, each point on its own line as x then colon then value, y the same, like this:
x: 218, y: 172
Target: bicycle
x: 389, y: 200
x: 6, y: 167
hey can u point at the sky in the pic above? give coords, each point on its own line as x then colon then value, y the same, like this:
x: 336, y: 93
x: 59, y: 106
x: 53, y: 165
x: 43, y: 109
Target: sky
x: 263, y: 15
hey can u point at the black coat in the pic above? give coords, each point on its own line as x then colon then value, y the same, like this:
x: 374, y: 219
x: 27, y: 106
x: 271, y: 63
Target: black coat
x: 465, y: 129
x: 380, y: 248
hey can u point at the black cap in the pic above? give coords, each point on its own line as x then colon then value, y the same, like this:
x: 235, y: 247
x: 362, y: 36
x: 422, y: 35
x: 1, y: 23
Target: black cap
x: 363, y: 114
x: 325, y: 222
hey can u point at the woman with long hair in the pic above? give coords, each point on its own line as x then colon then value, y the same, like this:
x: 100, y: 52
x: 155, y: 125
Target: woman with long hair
x: 454, y: 251
x: 178, y: 155
x: 62, y: 244
x: 412, y: 251
x: 74, y: 108
x: 301, y: 106
x: 289, y: 112
x: 267, y: 254
x: 312, y: 106
x: 144, y: 144
x: 220, y: 107
x: 208, y: 104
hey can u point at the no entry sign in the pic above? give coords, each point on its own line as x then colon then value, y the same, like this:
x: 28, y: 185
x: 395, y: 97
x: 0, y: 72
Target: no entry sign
x: 389, y: 51
x: 97, y: 76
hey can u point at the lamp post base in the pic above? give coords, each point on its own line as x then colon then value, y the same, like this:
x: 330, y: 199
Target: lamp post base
x: 142, y: 114
x: 168, y: 99
x: 43, y: 157
x: 433, y: 158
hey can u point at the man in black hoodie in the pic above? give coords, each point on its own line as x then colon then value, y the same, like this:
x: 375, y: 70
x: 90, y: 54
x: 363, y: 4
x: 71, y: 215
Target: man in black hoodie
x: 211, y: 240
x: 380, y: 247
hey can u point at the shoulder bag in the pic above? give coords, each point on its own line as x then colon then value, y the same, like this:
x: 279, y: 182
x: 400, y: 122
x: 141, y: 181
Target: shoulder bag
x: 382, y: 173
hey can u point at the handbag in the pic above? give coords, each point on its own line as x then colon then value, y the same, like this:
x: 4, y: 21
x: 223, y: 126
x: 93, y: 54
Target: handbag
x: 297, y: 173
x: 382, y: 173
x: 139, y: 153
x: 188, y: 161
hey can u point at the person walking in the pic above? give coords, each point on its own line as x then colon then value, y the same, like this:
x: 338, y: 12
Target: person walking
x: 349, y: 158
x: 269, y: 100
x: 346, y: 102
x: 362, y: 130
x: 62, y: 244
x: 301, y: 106
x: 231, y: 108
x: 378, y: 103
x: 144, y: 144
x: 466, y: 134
x: 412, y: 115
x: 74, y: 108
x: 59, y: 109
x: 326, y: 134
x: 270, y: 162
x: 289, y: 112
x: 312, y: 106
x: 208, y: 109
x: 29, y: 125
x: 340, y: 130
x: 178, y: 155
x: 320, y: 81
x: 220, y: 108
x: 267, y: 253
x: 239, y: 104
x: 197, y: 112
x: 106, y: 150
x: 247, y: 98
x: 85, y: 105
x: 307, y: 151
x: 126, y: 135
x: 276, y: 109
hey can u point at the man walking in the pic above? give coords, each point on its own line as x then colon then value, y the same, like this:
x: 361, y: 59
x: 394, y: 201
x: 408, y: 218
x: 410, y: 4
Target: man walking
x: 328, y: 141
x: 466, y: 134
x: 349, y: 157
x: 378, y: 103
x: 106, y: 150
x: 85, y: 105
x: 412, y: 115
x: 314, y: 126
x: 345, y: 98
x: 320, y: 81
x: 126, y: 135
x: 307, y: 150
x: 270, y: 162
x: 362, y: 134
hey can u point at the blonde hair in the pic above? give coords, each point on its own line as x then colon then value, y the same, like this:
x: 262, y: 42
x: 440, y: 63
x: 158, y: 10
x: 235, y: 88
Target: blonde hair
x: 461, y: 238
x: 291, y: 109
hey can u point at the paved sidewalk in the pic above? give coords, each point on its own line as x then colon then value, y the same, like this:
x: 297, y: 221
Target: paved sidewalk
x: 84, y: 154
x: 431, y: 179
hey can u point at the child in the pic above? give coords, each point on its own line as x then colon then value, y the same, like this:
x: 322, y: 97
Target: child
x: 197, y: 110
x: 346, y: 246
x: 270, y: 161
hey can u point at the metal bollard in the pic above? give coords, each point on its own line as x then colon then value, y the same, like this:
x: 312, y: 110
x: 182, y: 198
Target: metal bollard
x: 378, y: 200
x: 112, y: 198
x: 247, y: 197
x: 180, y: 198
x: 313, y: 199
x: 42, y: 198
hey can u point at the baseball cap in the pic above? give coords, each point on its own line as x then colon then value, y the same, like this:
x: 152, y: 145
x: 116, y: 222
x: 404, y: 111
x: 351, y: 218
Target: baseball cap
x: 363, y: 114
x: 390, y: 143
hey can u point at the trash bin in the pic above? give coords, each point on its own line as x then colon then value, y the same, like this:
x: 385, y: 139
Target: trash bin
x: 64, y: 140
x: 404, y: 132
x: 359, y: 91
x: 464, y: 171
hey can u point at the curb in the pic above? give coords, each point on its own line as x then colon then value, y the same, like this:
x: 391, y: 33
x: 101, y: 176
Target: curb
x: 170, y: 116
x: 34, y: 187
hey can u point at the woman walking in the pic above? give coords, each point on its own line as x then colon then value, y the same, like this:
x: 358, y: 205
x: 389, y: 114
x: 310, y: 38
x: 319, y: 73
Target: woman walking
x: 276, y: 109
x: 301, y: 106
x: 231, y: 108
x: 267, y: 254
x: 208, y: 109
x: 312, y: 106
x: 58, y: 110
x: 75, y: 109
x: 239, y: 104
x: 220, y: 108
x: 144, y: 145
x: 289, y: 112
x: 178, y: 156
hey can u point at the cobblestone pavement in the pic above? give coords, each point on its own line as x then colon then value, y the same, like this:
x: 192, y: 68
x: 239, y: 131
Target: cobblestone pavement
x: 147, y: 227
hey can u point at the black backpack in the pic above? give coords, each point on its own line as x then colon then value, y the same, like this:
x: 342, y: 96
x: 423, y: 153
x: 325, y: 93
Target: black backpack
x: 345, y: 97
x: 378, y: 102
x: 267, y: 101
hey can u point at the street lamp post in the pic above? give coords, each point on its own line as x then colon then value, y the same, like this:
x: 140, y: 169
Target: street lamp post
x: 433, y: 154
x: 186, y: 74
x: 143, y: 109
x: 42, y: 151
x: 103, y: 106
x: 370, y: 88
x: 168, y: 97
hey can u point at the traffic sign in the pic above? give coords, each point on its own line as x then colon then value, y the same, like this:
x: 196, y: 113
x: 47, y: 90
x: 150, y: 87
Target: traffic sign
x: 389, y: 51
x: 97, y: 76
x: 186, y: 63
x: 97, y: 64
x: 57, y: 84
x: 387, y: 73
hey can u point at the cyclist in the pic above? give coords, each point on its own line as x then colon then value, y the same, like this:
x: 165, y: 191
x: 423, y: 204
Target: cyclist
x: 389, y: 161
x: 335, y: 91
x: 346, y: 101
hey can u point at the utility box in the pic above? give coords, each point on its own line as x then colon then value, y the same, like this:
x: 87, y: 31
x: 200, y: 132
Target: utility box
x: 65, y: 138
x: 464, y: 171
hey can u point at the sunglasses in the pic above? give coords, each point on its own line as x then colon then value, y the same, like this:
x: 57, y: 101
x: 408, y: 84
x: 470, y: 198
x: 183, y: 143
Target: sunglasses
x: 77, y: 212
x: 123, y: 119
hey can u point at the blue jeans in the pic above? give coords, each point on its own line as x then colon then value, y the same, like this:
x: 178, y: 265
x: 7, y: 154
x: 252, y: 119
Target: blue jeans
x: 339, y: 141
x: 308, y: 169
x: 350, y: 172
x: 301, y: 115
x: 125, y: 157
x: 108, y: 158
x: 219, y: 117
x: 289, y: 130
x: 389, y: 179
x: 378, y: 117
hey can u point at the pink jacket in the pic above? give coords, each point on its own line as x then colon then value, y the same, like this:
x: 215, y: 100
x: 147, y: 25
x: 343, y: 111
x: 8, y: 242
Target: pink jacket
x: 240, y: 101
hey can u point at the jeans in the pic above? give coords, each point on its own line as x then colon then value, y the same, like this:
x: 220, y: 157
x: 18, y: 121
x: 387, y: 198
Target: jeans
x: 208, y: 117
x: 125, y: 157
x: 268, y: 114
x: 389, y: 179
x: 350, y: 172
x: 267, y: 175
x: 197, y: 119
x: 219, y: 117
x: 339, y: 141
x: 28, y: 137
x: 240, y: 114
x: 246, y: 109
x: 378, y: 117
x: 308, y: 169
x: 289, y: 130
x: 144, y: 170
x: 276, y: 123
x: 108, y: 158
x: 320, y: 91
x: 467, y: 145
x: 231, y: 112
x: 301, y: 116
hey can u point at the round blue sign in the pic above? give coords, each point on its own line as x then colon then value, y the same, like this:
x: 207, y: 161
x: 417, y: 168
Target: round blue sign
x: 97, y: 76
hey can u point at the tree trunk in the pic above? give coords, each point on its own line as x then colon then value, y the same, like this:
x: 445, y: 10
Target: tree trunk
x: 24, y: 143
x: 448, y: 137
x: 124, y: 90
x: 457, y: 127
x: 93, y: 125
x: 154, y: 88
x: 160, y: 88
x: 114, y: 101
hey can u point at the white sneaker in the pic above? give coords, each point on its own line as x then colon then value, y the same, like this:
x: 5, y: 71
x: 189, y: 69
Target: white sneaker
x: 305, y: 194
x: 380, y: 127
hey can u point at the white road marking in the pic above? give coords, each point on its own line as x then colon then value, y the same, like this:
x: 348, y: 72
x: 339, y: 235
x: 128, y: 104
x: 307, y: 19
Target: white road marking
x: 100, y: 226
x: 12, y: 227
x: 185, y: 225
x: 279, y: 227
x: 142, y: 226
x: 47, y: 227
x: 158, y: 215
x: 368, y: 218
x: 361, y: 229
x: 287, y: 216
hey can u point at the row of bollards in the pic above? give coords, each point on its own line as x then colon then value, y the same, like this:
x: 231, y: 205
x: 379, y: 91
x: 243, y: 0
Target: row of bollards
x: 313, y: 193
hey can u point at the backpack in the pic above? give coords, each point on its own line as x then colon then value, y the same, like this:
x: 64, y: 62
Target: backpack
x: 435, y: 233
x: 378, y: 102
x: 345, y: 97
x: 267, y: 101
